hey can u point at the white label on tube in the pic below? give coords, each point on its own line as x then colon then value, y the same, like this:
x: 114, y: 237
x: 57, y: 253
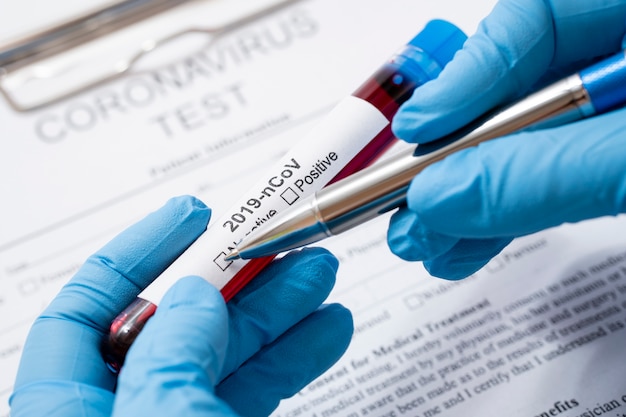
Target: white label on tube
x: 305, y: 169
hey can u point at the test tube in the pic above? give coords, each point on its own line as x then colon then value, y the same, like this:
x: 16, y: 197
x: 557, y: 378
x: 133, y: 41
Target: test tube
x: 419, y: 61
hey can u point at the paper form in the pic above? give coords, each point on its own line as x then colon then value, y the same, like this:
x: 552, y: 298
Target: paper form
x: 539, y: 332
x: 78, y: 172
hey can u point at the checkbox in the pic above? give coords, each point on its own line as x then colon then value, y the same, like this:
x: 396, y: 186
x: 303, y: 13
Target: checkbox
x: 27, y: 287
x: 221, y: 262
x: 413, y: 301
x: 495, y: 265
x: 290, y: 196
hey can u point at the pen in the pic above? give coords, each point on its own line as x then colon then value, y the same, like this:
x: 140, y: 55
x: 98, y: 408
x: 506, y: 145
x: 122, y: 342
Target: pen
x: 375, y: 190
x: 335, y: 148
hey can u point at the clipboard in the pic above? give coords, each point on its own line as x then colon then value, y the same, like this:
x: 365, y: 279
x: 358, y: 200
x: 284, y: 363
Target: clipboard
x: 75, y: 55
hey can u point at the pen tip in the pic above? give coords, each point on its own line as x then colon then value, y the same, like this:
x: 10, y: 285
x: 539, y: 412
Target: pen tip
x: 234, y: 254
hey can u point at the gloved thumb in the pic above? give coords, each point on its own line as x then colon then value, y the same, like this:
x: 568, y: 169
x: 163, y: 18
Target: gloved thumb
x: 173, y: 366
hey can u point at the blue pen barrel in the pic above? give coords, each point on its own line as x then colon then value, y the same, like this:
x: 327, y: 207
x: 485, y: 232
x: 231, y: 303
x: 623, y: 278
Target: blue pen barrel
x: 605, y: 82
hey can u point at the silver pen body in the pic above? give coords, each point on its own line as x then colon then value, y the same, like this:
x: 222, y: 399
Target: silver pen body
x: 380, y: 188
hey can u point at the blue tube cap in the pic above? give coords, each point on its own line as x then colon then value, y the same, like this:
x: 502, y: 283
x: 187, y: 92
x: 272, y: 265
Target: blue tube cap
x: 440, y: 40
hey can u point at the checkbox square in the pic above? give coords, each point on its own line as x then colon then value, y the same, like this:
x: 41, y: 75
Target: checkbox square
x: 28, y: 287
x: 413, y: 301
x: 494, y: 265
x: 290, y: 196
x: 222, y: 263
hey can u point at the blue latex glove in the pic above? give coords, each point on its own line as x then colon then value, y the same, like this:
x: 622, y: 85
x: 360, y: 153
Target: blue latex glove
x: 464, y: 210
x: 197, y: 355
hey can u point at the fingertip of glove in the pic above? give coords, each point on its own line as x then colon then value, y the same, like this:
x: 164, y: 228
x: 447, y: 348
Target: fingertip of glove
x: 315, y: 257
x: 466, y: 258
x: 398, y: 239
x: 338, y: 325
x: 452, y: 271
x: 410, y: 240
x: 439, y: 107
x: 187, y: 204
x: 405, y: 124
x: 326, y: 257
x: 402, y: 247
x: 341, y: 314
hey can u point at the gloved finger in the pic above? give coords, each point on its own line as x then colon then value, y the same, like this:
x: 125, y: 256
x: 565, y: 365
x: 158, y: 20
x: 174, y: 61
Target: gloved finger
x: 444, y: 256
x: 511, y: 49
x: 526, y: 182
x: 465, y: 258
x: 173, y: 365
x: 285, y: 292
x: 517, y: 45
x: 109, y: 280
x: 112, y: 277
x: 284, y: 367
x: 411, y: 240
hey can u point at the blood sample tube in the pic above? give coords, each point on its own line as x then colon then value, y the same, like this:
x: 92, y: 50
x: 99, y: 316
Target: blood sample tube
x: 421, y: 60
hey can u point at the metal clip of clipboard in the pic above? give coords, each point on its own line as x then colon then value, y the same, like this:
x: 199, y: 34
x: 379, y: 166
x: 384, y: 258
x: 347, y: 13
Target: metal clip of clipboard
x: 50, y: 65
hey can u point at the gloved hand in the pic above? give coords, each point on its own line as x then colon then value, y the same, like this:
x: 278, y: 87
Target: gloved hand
x: 197, y: 355
x: 465, y: 209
